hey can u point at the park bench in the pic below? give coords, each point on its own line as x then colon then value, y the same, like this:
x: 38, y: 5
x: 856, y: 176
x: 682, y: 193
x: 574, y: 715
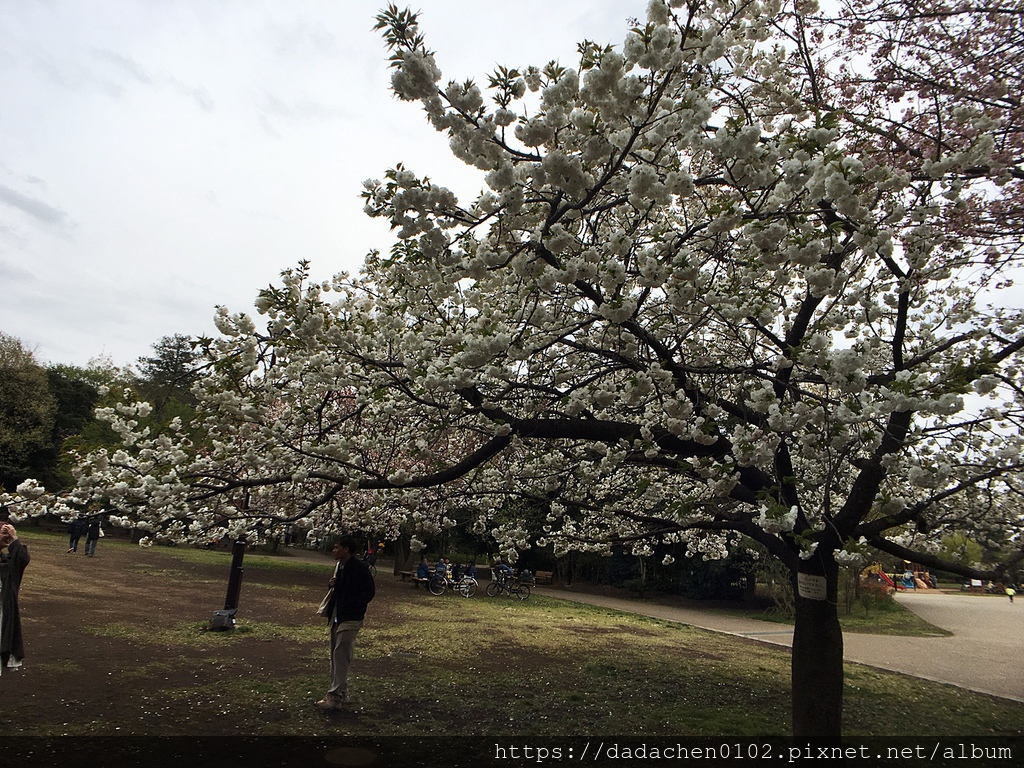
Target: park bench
x: 411, y: 576
x: 543, y: 577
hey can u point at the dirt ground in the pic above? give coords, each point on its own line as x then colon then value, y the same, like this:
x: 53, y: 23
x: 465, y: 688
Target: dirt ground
x: 120, y: 669
x: 106, y: 676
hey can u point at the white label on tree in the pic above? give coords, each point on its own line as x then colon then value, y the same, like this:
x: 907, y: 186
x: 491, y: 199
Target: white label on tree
x: 810, y: 586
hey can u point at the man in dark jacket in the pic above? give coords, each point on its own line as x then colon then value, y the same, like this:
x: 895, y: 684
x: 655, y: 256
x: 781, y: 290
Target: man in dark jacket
x: 77, y: 528
x: 353, y: 589
x: 92, y: 535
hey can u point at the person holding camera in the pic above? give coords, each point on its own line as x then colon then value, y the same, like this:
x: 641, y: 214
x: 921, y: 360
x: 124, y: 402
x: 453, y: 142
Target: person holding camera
x: 13, y: 561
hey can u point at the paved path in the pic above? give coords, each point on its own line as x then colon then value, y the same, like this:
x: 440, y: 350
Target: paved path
x: 984, y: 654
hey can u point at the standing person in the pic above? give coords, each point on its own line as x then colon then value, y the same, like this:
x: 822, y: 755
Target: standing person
x: 353, y: 590
x: 93, y: 533
x: 13, y: 561
x: 1010, y: 592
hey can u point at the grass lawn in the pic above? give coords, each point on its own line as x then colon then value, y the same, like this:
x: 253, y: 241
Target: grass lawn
x: 425, y: 666
x: 890, y: 619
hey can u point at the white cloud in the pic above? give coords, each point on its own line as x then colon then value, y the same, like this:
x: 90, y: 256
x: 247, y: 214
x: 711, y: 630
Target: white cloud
x: 37, y: 210
x: 161, y: 158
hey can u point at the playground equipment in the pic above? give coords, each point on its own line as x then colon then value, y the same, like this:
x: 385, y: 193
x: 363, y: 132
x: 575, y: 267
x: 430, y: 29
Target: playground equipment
x: 875, y: 574
x: 910, y: 578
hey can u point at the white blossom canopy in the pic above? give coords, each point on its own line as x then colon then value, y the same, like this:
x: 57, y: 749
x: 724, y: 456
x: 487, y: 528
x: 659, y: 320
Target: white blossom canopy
x: 717, y: 284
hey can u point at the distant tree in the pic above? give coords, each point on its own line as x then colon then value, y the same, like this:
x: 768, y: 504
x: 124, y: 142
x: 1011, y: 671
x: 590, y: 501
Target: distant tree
x: 26, y: 412
x: 40, y: 408
x: 168, y: 375
x: 74, y: 396
x: 960, y: 548
x: 111, y: 384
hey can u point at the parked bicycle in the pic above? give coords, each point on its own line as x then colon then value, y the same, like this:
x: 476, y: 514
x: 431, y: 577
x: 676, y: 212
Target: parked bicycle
x: 465, y: 586
x: 510, y: 585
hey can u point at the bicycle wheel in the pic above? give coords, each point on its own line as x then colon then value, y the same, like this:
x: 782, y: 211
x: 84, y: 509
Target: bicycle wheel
x: 373, y: 571
x: 437, y: 585
x: 522, y: 591
x: 493, y: 590
x: 467, y: 587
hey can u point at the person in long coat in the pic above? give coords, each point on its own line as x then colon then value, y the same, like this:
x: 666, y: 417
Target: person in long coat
x: 13, y: 561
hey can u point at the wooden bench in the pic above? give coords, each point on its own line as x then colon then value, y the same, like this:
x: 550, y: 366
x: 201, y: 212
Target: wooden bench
x: 411, y: 576
x: 543, y: 577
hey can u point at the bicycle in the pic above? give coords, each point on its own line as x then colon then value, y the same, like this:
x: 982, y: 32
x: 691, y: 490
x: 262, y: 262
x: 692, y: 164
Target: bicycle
x: 511, y: 586
x: 466, y: 586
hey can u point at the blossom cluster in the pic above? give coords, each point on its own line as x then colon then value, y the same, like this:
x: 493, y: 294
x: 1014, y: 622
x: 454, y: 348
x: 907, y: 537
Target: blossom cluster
x: 702, y: 296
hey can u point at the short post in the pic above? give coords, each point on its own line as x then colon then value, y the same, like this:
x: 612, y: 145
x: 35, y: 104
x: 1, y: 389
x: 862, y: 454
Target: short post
x: 235, y: 580
x: 223, y: 620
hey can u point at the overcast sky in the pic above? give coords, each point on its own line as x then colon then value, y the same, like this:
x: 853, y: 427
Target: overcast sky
x: 160, y: 158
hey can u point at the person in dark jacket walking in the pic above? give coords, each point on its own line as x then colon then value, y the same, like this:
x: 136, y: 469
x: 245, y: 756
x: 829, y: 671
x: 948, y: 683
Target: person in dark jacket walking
x: 13, y: 561
x: 353, y: 589
x: 92, y: 535
x: 76, y: 529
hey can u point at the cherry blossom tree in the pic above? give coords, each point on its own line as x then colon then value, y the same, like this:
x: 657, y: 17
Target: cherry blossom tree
x: 744, y: 277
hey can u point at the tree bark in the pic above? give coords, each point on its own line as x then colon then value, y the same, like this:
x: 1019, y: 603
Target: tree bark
x: 403, y: 554
x: 750, y: 589
x: 817, y: 658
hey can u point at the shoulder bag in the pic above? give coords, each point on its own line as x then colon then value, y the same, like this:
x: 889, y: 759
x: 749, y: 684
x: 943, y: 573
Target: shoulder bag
x: 325, y: 604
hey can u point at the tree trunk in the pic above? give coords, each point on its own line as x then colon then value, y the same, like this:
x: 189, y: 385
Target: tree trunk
x: 403, y: 554
x: 817, y: 659
x: 750, y: 589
